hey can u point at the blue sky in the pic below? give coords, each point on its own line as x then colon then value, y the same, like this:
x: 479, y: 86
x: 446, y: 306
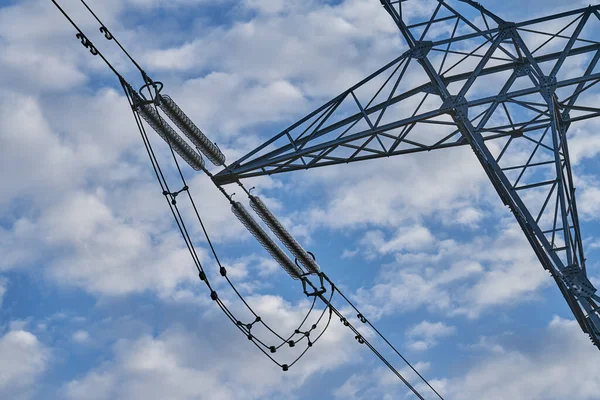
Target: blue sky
x: 99, y: 298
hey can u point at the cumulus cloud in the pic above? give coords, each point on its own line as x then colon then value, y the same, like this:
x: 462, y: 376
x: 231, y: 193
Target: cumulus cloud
x: 412, y: 238
x: 81, y: 191
x: 396, y: 191
x: 380, y: 384
x: 24, y: 359
x: 485, y: 279
x: 81, y: 336
x: 588, y: 203
x: 209, y: 360
x: 3, y: 288
x: 511, y: 370
x: 535, y: 373
x: 425, y: 335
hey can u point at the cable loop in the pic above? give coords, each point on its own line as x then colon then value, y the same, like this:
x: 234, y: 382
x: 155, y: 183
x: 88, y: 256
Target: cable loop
x: 156, y: 85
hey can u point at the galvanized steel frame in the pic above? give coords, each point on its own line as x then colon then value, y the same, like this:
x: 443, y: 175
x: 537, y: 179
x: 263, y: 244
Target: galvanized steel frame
x: 544, y: 206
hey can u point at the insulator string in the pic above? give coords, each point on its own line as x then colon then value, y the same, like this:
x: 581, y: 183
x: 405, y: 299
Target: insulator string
x: 141, y: 111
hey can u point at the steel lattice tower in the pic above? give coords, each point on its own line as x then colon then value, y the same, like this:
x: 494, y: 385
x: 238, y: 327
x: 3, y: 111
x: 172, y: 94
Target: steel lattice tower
x: 508, y: 90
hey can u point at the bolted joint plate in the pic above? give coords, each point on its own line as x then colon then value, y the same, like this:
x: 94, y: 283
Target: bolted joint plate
x: 421, y: 49
x: 522, y: 70
x: 507, y: 26
x: 547, y: 87
x: 507, y: 31
x: 575, y: 278
x: 456, y: 106
x: 430, y: 88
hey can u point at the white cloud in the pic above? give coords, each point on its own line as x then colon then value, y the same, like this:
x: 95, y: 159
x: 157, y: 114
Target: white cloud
x: 45, y: 164
x: 379, y: 383
x: 97, y: 221
x: 513, y: 370
x: 319, y: 46
x: 81, y: 336
x: 395, y: 191
x: 109, y: 256
x: 588, y: 198
x: 536, y: 373
x: 459, y: 278
x: 585, y: 142
x: 412, y: 238
x: 166, y: 3
x: 425, y: 335
x: 3, y: 288
x: 23, y: 360
x: 467, y: 216
x: 209, y: 361
x: 347, y: 253
x: 215, y: 104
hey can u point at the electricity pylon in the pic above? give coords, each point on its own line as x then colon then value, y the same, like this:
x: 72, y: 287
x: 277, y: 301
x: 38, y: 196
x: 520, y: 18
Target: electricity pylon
x: 508, y: 90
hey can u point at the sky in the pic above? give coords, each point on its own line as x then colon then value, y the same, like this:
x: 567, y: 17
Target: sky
x: 99, y: 298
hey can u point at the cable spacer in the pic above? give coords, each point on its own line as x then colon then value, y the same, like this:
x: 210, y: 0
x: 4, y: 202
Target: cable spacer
x: 174, y: 194
x: 272, y: 349
x: 202, y: 275
x: 285, y: 367
x: 292, y: 343
x: 106, y: 32
x: 223, y: 271
x: 85, y: 42
x: 213, y: 295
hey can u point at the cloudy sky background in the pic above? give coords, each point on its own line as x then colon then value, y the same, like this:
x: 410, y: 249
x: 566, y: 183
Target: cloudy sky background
x: 99, y: 298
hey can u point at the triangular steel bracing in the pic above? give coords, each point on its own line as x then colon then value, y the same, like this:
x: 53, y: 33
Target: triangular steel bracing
x: 508, y: 90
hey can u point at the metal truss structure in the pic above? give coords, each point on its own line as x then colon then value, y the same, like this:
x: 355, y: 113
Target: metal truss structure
x: 510, y: 91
